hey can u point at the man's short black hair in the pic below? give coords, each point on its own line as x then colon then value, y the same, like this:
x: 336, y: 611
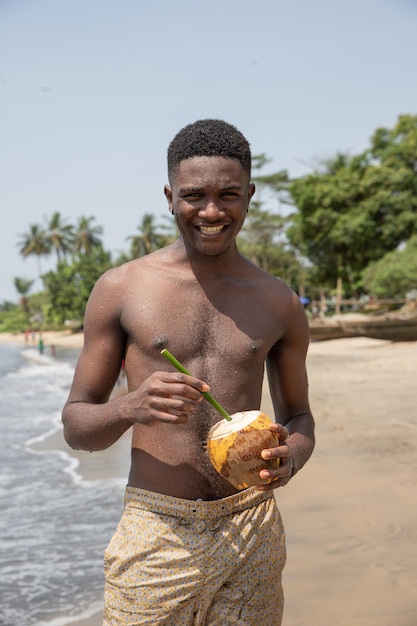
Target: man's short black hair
x: 208, y: 138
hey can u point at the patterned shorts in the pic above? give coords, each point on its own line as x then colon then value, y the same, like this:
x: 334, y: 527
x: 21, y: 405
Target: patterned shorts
x: 182, y: 562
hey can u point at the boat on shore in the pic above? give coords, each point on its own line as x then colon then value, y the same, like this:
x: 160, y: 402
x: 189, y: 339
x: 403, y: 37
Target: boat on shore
x: 326, y: 328
x: 398, y: 325
x: 395, y: 326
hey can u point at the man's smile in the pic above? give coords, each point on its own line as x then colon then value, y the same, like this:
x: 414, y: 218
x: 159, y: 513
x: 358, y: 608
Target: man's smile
x: 210, y: 230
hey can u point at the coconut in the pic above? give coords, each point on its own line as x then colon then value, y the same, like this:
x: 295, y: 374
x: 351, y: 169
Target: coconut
x: 234, y: 448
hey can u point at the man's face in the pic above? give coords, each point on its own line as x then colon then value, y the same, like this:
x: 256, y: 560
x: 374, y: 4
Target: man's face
x: 209, y: 197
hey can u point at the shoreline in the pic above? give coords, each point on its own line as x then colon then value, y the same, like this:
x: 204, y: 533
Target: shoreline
x: 61, y: 338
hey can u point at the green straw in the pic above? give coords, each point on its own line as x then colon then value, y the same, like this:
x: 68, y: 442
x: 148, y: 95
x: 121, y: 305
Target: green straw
x: 206, y: 394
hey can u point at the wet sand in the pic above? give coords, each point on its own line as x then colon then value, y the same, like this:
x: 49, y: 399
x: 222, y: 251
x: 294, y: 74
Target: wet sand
x: 350, y: 514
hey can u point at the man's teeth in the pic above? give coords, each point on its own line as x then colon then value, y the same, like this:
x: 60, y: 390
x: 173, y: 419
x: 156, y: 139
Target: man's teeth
x: 211, y: 230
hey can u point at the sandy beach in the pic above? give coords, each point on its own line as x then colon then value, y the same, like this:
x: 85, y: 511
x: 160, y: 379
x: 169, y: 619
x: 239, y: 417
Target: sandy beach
x: 63, y: 338
x: 350, y: 515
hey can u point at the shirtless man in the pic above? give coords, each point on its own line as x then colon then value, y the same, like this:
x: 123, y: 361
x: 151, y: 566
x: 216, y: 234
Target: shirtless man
x: 189, y: 548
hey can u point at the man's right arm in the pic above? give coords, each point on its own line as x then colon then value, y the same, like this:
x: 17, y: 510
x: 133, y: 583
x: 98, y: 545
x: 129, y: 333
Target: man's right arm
x: 92, y: 421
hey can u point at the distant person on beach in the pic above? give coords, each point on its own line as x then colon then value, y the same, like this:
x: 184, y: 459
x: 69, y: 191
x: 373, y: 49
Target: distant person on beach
x: 40, y: 345
x: 190, y: 548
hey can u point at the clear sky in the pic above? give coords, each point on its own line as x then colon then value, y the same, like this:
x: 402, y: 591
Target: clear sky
x: 92, y: 91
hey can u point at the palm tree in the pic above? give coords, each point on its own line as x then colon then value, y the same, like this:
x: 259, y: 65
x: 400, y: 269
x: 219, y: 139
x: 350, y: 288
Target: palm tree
x: 34, y: 242
x: 23, y: 286
x: 86, y: 236
x: 60, y: 235
x: 148, y: 239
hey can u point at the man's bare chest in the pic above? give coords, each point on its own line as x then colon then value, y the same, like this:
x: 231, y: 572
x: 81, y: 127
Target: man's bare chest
x: 225, y: 321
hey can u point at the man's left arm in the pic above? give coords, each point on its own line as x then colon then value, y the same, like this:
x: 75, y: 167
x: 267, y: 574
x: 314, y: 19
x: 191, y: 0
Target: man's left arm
x: 288, y: 386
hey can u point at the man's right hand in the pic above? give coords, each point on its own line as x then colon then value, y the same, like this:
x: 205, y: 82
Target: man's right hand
x: 169, y: 397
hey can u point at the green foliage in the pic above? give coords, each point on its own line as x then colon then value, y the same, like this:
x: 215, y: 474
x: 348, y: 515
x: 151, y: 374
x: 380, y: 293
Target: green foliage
x: 59, y: 235
x: 70, y: 285
x: 150, y: 237
x: 40, y: 305
x: 6, y: 305
x: 23, y: 286
x: 263, y: 237
x: 30, y: 313
x: 359, y: 208
x: 86, y: 237
x: 276, y: 182
x: 262, y: 240
x: 13, y: 320
x: 34, y: 243
x: 395, y: 274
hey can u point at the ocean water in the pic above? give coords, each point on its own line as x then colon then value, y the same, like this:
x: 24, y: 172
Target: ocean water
x: 54, y: 526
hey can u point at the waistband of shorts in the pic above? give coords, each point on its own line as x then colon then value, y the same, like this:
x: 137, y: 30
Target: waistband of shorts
x: 200, y: 509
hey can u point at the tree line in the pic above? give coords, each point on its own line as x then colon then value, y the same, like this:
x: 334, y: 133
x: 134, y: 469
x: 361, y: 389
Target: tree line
x: 352, y: 219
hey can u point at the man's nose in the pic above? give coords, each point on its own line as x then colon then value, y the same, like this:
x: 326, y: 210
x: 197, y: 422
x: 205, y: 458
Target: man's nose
x: 211, y: 209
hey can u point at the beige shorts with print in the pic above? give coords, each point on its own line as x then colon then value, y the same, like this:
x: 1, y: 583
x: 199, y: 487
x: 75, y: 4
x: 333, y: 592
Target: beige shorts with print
x: 183, y: 562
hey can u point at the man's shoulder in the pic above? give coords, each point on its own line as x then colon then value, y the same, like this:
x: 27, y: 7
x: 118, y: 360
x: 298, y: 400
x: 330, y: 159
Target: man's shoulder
x: 261, y: 275
x: 133, y: 265
x: 138, y: 270
x: 272, y: 289
x: 118, y: 275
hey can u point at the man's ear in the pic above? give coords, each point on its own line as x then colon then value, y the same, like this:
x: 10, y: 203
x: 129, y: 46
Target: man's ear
x: 168, y: 195
x: 251, y: 191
